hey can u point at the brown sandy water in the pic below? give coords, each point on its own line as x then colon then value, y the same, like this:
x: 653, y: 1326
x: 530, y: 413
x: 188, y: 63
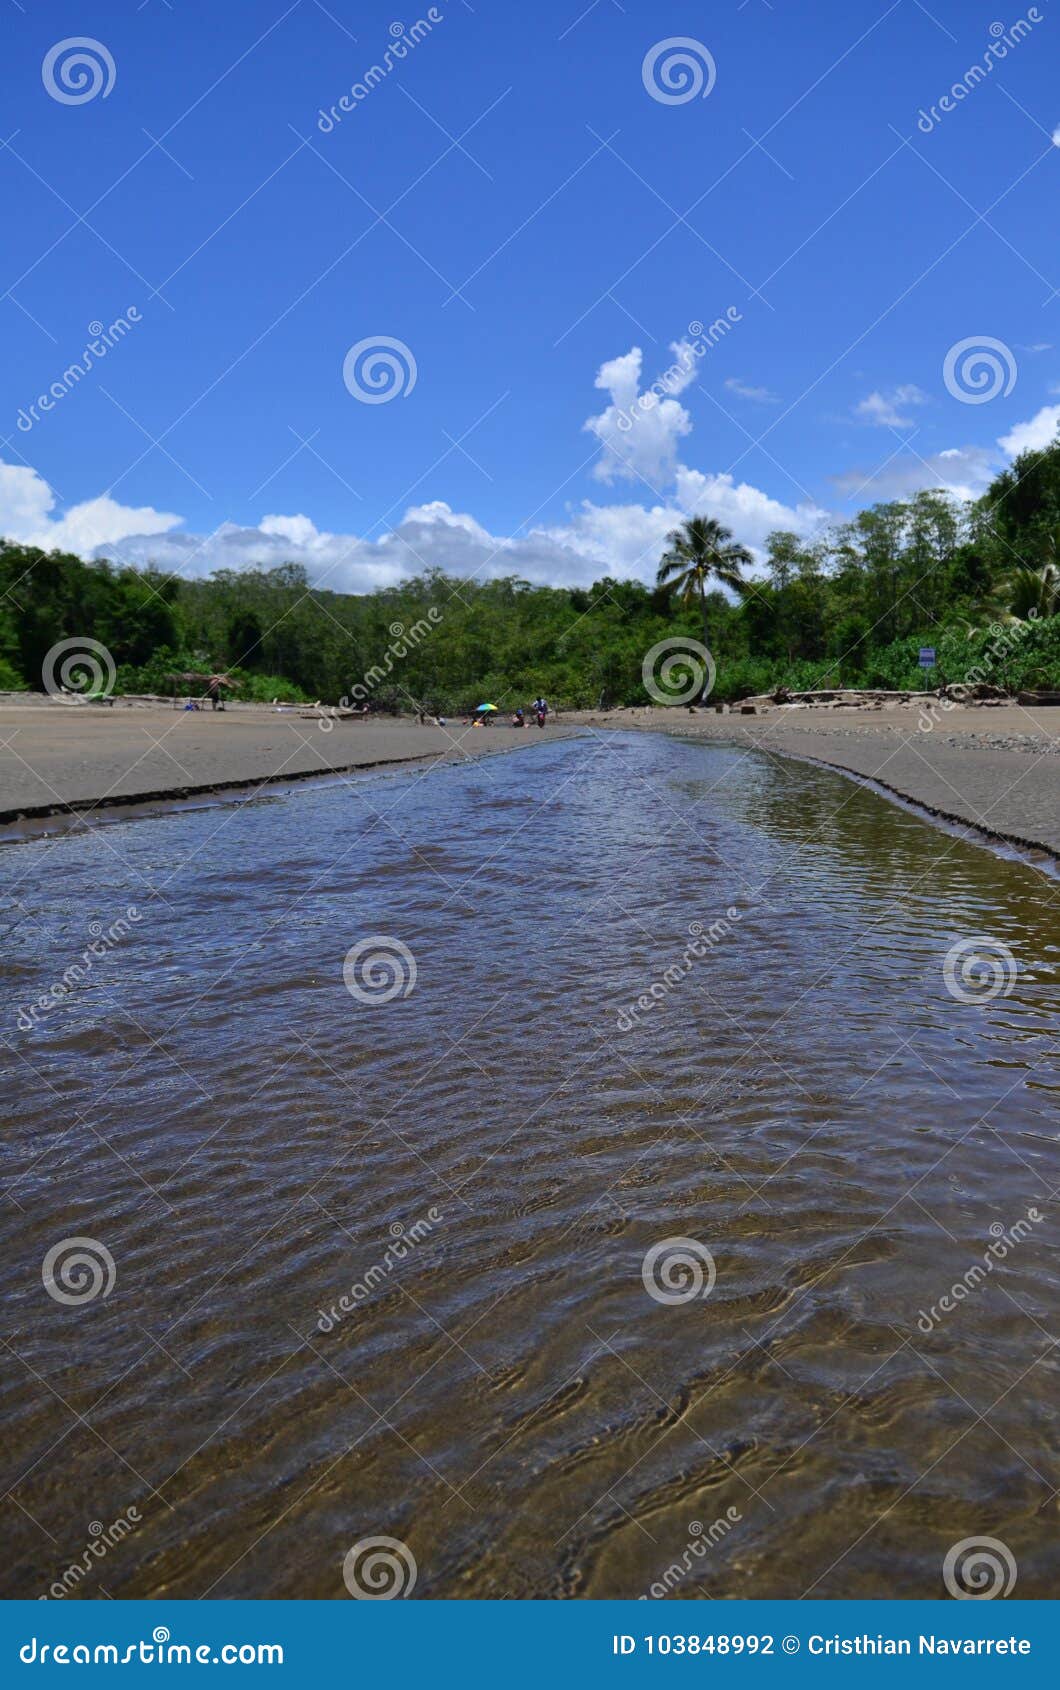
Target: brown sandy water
x: 481, y: 1167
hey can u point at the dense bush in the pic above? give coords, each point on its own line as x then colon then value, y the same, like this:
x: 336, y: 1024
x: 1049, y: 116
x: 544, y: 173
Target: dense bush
x: 159, y: 675
x: 853, y: 609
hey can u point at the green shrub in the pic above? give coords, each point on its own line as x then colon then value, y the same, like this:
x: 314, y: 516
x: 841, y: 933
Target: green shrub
x: 10, y: 679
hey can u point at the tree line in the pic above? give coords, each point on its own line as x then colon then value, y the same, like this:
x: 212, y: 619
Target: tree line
x: 850, y: 608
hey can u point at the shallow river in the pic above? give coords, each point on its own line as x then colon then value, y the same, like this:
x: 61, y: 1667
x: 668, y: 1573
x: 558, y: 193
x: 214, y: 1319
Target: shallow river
x: 399, y: 1255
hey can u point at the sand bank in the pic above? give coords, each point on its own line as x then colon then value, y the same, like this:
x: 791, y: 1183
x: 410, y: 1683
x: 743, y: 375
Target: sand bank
x: 58, y: 758
x: 996, y: 768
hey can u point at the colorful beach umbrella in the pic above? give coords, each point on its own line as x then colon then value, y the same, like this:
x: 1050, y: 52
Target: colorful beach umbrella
x: 479, y: 708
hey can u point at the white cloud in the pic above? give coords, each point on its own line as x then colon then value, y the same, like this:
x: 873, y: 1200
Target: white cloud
x: 1039, y: 432
x: 640, y: 431
x: 963, y: 471
x: 750, y: 513
x: 344, y: 562
x: 99, y: 522
x: 430, y: 535
x: 27, y: 503
x: 299, y: 530
x: 625, y: 540
x: 25, y: 500
x: 884, y: 409
x: 590, y: 540
x: 761, y: 395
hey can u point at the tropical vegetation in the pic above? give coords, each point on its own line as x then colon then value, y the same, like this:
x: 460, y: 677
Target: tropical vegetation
x: 853, y: 606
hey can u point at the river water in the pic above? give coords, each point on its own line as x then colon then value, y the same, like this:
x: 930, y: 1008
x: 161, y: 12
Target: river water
x: 396, y: 1257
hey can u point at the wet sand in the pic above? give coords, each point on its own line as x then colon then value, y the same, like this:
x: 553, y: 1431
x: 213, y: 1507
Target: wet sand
x: 55, y: 758
x: 996, y: 768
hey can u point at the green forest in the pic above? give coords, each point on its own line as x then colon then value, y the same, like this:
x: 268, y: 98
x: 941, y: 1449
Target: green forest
x: 852, y: 608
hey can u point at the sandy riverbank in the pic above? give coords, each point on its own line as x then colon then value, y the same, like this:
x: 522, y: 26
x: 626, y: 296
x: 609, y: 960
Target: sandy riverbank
x: 55, y: 758
x: 996, y: 768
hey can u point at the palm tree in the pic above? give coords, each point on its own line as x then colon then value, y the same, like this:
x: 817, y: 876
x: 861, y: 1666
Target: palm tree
x: 701, y: 552
x: 1035, y: 592
x: 1026, y: 592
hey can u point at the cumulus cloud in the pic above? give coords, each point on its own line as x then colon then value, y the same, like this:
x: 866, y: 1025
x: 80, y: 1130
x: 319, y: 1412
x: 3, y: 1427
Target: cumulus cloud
x: 625, y: 540
x: 751, y: 514
x: 342, y: 561
x: 27, y: 503
x: 760, y: 395
x: 639, y: 431
x: 591, y: 540
x: 427, y: 536
x: 963, y: 471
x: 598, y: 540
x: 885, y: 409
x: 1034, y: 435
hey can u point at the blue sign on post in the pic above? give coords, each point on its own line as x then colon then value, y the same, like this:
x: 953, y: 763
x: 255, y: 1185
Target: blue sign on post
x: 927, y: 657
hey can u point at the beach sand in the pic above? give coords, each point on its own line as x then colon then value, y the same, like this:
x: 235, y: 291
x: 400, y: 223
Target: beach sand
x: 995, y: 767
x: 60, y: 757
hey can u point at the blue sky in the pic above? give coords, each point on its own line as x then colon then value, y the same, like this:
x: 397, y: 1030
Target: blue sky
x: 514, y: 205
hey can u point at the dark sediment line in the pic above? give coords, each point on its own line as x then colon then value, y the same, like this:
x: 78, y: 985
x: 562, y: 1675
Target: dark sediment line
x: 884, y: 787
x: 169, y: 799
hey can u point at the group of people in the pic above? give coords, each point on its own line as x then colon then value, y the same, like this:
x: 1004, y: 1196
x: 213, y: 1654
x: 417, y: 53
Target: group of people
x: 540, y: 710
